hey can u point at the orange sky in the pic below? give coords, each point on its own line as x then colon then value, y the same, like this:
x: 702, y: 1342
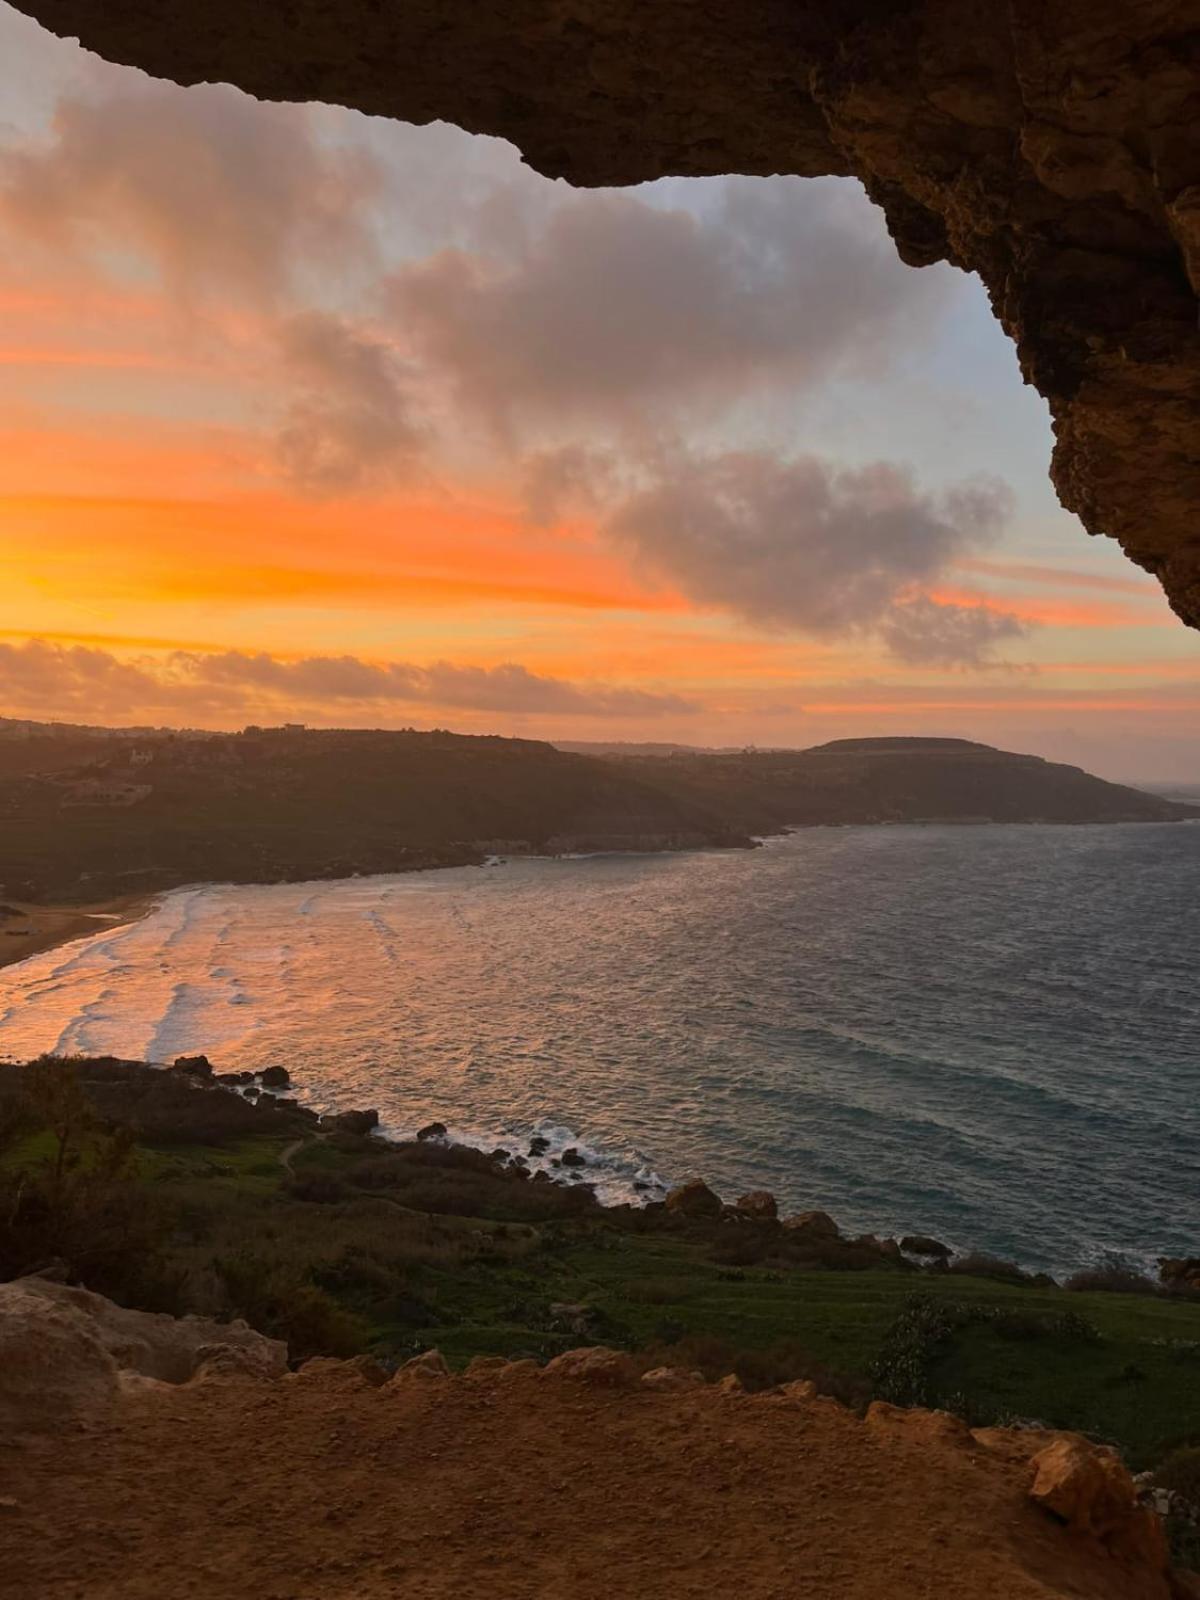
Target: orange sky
x: 244, y: 426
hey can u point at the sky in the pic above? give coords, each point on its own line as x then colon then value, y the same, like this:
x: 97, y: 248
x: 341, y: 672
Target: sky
x: 315, y: 417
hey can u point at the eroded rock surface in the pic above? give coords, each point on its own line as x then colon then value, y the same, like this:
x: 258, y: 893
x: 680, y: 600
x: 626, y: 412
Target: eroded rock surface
x: 1052, y: 146
x: 67, y: 1352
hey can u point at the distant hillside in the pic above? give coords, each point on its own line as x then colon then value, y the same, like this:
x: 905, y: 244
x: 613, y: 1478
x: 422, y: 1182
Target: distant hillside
x: 128, y: 814
x: 266, y: 806
x: 900, y: 780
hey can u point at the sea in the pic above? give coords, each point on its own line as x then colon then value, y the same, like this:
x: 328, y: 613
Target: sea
x: 990, y: 1034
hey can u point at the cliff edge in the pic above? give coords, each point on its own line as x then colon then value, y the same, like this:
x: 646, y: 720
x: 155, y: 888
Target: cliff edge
x: 228, y: 1478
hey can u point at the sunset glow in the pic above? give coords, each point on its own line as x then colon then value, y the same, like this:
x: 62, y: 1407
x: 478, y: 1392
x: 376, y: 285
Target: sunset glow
x: 449, y: 443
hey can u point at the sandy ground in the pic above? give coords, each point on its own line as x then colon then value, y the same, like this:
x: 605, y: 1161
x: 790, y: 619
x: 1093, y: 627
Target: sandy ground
x: 318, y: 1487
x: 37, y: 928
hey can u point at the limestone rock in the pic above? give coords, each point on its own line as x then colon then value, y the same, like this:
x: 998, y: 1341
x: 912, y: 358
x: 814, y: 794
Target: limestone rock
x: 920, y: 1244
x: 799, y: 1389
x: 594, y: 1364
x: 1089, y: 1488
x: 694, y: 1200
x: 357, y: 1122
x: 816, y: 1224
x: 64, y: 1351
x: 759, y: 1204
x: 192, y: 1067
x: 672, y: 1379
x: 429, y: 1366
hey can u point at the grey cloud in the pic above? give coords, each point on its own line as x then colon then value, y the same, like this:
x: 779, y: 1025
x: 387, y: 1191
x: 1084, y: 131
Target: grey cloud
x: 570, y: 478
x: 799, y: 543
x: 923, y: 632
x: 508, y: 687
x: 40, y: 673
x: 61, y: 679
x: 221, y: 191
x: 618, y: 303
x: 353, y: 419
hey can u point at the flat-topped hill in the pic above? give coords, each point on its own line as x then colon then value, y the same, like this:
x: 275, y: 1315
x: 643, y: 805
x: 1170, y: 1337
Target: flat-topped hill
x: 95, y: 815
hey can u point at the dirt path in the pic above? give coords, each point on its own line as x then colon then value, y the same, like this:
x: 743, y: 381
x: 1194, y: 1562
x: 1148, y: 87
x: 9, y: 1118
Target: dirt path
x: 318, y: 1487
x: 286, y: 1154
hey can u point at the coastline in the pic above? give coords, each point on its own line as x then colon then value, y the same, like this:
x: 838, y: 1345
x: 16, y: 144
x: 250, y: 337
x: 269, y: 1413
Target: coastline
x: 34, y: 929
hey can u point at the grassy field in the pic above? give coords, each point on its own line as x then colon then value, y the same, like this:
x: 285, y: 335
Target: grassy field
x: 341, y: 1244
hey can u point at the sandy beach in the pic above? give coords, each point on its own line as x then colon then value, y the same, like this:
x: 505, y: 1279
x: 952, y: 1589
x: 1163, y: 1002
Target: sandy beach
x: 27, y: 929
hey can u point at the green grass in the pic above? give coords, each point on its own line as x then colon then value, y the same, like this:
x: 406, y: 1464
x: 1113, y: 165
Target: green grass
x: 441, y: 1249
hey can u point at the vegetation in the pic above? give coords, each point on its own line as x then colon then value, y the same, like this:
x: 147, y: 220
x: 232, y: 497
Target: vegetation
x: 130, y: 813
x: 171, y: 1196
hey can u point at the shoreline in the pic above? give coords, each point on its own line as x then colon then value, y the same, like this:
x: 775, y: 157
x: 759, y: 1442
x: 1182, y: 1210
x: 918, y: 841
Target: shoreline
x: 28, y: 930
x: 39, y: 927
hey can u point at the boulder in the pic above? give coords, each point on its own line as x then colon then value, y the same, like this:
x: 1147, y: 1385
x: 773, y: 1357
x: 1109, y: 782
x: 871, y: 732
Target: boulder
x: 758, y: 1204
x: 572, y: 1158
x: 694, y: 1200
x: 432, y: 1130
x: 274, y: 1077
x: 361, y: 1372
x: 672, y: 1379
x: 235, y: 1079
x: 66, y: 1351
x: 1088, y: 1487
x: 596, y: 1364
x: 192, y: 1066
x: 816, y: 1224
x: 1180, y: 1273
x: 920, y: 1244
x: 429, y: 1365
x: 799, y: 1389
x: 538, y: 1146
x: 359, y: 1122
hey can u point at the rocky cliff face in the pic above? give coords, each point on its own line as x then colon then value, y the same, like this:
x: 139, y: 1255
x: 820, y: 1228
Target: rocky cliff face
x: 1052, y: 146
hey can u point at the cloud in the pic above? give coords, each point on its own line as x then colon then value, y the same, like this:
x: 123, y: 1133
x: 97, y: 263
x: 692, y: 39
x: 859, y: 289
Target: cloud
x: 67, y: 680
x: 221, y: 192
x: 616, y: 304
x: 926, y: 633
x: 803, y: 544
x: 353, y: 420
x: 508, y: 687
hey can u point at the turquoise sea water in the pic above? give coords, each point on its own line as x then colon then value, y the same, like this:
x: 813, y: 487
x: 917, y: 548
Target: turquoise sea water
x: 991, y: 1034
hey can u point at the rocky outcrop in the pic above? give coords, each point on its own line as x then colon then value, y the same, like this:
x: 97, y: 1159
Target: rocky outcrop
x: 695, y: 1201
x: 354, y: 1122
x: 1048, y: 146
x: 67, y: 1352
x: 1089, y: 1488
x: 759, y: 1205
x: 813, y: 1225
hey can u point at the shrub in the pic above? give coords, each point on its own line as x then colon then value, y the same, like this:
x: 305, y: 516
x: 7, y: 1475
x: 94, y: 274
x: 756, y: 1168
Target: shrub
x: 1180, y: 1472
x: 288, y: 1306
